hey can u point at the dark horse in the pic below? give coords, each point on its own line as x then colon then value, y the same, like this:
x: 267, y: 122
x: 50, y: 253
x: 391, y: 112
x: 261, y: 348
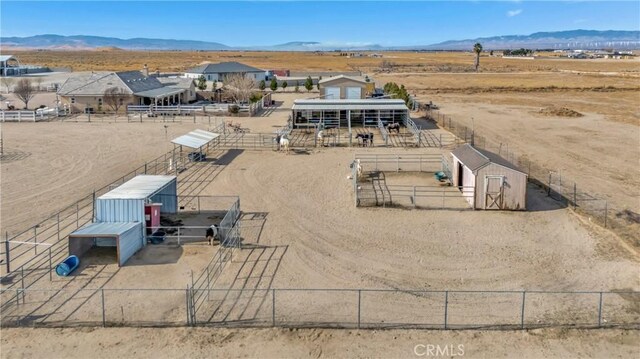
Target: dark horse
x: 393, y: 127
x: 365, y: 139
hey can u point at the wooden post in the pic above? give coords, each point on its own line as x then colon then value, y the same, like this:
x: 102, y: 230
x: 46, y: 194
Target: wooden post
x: 524, y: 293
x: 7, y: 249
x: 600, y: 311
x: 359, y: 305
x: 446, y: 308
x: 104, y: 319
x: 273, y: 307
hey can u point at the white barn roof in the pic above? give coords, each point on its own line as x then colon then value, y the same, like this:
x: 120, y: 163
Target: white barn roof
x: 349, y: 104
x: 139, y: 187
x: 195, y: 139
x: 105, y: 229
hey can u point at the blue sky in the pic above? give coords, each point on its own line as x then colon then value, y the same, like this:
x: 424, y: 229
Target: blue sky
x: 245, y: 23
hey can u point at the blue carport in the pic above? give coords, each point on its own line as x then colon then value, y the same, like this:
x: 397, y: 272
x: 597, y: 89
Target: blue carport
x: 125, y: 236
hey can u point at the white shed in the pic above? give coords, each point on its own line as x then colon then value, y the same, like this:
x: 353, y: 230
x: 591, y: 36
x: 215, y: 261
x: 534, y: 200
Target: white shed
x: 487, y: 180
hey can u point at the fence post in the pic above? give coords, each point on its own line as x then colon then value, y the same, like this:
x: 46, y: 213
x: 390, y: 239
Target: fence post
x: 104, y: 320
x: 50, y: 266
x: 524, y: 294
x: 549, y: 187
x: 178, y: 235
x: 600, y: 311
x: 446, y: 308
x: 186, y: 296
x: 93, y: 206
x: 35, y: 239
x: 22, y: 281
x: 7, y: 249
x: 273, y: 307
x: 359, y: 306
x: 198, y: 204
x: 415, y: 199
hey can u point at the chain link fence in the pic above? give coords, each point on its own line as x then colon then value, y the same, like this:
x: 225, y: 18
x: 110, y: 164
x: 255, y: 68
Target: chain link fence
x: 557, y: 186
x: 317, y: 308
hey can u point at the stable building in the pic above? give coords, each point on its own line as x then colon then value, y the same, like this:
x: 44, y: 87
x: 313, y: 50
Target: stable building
x: 347, y: 112
x: 345, y: 87
x: 126, y: 215
x: 220, y: 71
x: 487, y: 180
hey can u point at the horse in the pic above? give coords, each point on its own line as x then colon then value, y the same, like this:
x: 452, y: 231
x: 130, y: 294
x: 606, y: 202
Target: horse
x: 212, y: 233
x: 283, y: 143
x: 393, y: 127
x: 367, y: 139
x: 320, y: 137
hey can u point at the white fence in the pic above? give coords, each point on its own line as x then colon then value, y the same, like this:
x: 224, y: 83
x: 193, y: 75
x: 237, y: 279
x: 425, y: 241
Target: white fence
x: 28, y: 116
x: 165, y: 110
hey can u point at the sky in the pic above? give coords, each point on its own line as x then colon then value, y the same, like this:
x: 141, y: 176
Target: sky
x: 256, y: 23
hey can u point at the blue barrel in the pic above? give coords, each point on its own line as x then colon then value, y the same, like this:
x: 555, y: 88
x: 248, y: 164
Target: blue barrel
x: 67, y: 266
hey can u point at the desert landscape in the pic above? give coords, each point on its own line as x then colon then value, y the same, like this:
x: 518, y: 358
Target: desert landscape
x: 309, y: 235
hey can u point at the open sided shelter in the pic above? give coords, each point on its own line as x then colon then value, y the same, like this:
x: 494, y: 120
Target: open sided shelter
x: 348, y: 112
x: 125, y: 215
x: 126, y: 237
x: 494, y: 182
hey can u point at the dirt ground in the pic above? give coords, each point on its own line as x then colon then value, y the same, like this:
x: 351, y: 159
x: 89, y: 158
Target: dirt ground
x: 318, y: 239
x: 313, y: 343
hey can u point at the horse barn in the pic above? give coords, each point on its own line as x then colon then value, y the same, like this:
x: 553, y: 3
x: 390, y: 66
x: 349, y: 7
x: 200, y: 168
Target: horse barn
x: 125, y: 216
x: 494, y: 183
x: 347, y: 113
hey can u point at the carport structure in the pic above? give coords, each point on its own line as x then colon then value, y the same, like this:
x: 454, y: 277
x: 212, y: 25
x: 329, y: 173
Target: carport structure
x: 126, y: 237
x: 198, y: 140
x: 348, y: 112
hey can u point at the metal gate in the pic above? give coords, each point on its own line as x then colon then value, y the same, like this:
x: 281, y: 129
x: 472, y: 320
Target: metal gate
x: 493, y: 192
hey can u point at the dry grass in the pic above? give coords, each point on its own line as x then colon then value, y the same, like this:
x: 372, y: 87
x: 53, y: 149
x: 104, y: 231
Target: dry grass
x: 404, y: 61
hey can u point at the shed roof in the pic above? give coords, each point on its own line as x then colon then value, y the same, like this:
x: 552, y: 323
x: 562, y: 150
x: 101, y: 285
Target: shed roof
x: 139, y: 187
x: 195, y: 139
x: 223, y: 67
x: 105, y: 229
x: 349, y: 104
x: 340, y: 77
x: 475, y: 158
x: 4, y: 58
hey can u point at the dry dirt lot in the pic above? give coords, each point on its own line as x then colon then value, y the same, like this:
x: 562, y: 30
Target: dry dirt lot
x: 331, y: 244
x: 312, y: 343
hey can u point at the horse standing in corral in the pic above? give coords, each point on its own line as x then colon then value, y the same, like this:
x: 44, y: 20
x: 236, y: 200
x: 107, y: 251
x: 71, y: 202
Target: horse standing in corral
x: 364, y: 139
x: 393, y: 127
x: 283, y: 143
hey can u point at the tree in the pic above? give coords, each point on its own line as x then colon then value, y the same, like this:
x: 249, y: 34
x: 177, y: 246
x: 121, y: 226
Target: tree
x: 319, y: 78
x: 262, y: 85
x: 239, y: 86
x: 202, y: 83
x: 297, y: 89
x: 214, y: 86
x: 477, y: 48
x: 308, y: 84
x: 25, y: 91
x: 274, y: 84
x: 284, y: 85
x: 114, y: 97
x: 8, y: 82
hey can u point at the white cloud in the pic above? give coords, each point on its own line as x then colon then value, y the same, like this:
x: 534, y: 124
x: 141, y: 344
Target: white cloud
x: 513, y: 13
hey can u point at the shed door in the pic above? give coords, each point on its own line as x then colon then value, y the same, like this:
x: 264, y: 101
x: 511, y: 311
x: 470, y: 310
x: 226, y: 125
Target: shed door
x: 493, y: 192
x: 332, y: 93
x: 354, y: 92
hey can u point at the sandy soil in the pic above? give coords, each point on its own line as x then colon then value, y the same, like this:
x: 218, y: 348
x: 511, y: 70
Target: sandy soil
x: 313, y: 343
x: 55, y: 164
x: 314, y: 237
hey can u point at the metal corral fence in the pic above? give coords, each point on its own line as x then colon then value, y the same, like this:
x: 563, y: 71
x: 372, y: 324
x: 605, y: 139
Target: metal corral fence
x: 561, y: 188
x: 319, y: 308
x: 371, y: 187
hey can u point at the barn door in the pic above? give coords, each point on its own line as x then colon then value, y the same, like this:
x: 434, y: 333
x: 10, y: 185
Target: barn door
x: 493, y: 192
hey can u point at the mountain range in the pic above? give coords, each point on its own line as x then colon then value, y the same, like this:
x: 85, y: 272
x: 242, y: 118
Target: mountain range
x: 574, y: 39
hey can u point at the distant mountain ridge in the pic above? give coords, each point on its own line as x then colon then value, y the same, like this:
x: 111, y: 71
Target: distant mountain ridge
x: 573, y: 39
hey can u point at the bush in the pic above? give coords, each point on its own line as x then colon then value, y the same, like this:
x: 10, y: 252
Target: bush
x: 255, y: 97
x: 234, y: 109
